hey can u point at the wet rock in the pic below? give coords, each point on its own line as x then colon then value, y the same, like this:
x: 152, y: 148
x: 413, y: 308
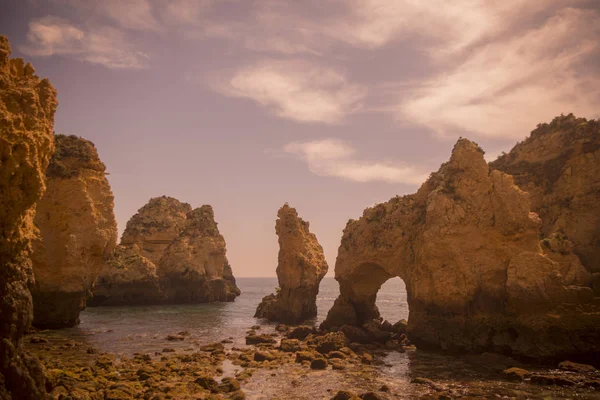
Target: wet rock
x: 330, y: 342
x: 37, y: 339
x: 207, y: 383
x: 261, y: 356
x: 301, y: 266
x: 371, y: 396
x: 260, y: 339
x: 575, y: 367
x: 229, y: 385
x: 551, y: 379
x: 400, y: 327
x: 366, y: 359
x: 168, y: 350
x: 318, y: 363
x: 290, y: 345
x: 209, y: 348
x: 336, y: 354
x: 427, y: 382
x: 516, y: 374
x: 385, y: 388
x: 345, y: 395
x: 300, y: 332
x: 337, y: 364
x: 175, y: 338
x: 306, y: 356
x: 355, y: 334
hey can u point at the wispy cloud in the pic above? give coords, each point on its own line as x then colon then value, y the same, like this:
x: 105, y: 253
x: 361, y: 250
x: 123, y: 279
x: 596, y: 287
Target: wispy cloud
x: 102, y: 45
x: 505, y: 87
x: 337, y: 158
x: 296, y: 90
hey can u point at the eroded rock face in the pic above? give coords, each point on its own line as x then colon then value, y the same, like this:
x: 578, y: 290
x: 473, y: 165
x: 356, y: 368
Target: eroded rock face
x: 300, y: 269
x: 194, y: 268
x: 27, y: 106
x: 467, y: 246
x: 559, y: 166
x: 129, y: 278
x: 155, y: 226
x: 169, y: 253
x: 78, y: 232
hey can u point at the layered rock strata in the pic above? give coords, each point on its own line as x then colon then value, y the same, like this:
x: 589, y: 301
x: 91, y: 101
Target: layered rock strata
x: 301, y: 267
x: 78, y: 232
x: 169, y: 253
x: 559, y: 166
x: 477, y: 277
x: 27, y: 107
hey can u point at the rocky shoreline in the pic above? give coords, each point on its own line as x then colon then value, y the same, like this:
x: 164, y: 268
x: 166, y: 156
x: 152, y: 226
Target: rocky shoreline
x: 282, y: 362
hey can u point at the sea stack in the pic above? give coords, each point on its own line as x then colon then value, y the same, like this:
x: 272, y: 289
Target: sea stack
x: 27, y: 107
x: 78, y: 232
x: 301, y: 267
x: 467, y: 246
x: 169, y: 253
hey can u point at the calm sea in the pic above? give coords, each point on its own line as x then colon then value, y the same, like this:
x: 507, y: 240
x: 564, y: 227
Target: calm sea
x: 128, y: 330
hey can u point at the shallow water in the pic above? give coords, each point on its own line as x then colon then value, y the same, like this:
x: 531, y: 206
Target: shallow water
x: 128, y: 330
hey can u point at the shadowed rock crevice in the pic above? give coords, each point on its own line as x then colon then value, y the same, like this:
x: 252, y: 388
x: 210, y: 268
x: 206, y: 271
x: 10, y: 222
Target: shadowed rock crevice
x: 27, y: 107
x: 301, y: 267
x: 477, y: 277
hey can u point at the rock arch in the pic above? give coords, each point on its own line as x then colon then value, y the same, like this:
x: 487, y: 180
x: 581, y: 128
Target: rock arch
x: 467, y: 247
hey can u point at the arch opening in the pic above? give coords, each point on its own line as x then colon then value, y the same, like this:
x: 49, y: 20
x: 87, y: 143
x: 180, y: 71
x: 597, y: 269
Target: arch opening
x: 392, y: 300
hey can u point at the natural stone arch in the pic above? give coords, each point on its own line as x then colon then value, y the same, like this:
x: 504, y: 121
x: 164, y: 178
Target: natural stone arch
x: 467, y: 247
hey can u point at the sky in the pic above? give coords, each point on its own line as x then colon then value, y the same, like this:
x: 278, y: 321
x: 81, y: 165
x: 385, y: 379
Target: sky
x: 332, y: 106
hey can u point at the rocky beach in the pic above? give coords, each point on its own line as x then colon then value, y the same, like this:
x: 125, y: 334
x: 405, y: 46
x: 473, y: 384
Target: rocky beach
x: 466, y: 275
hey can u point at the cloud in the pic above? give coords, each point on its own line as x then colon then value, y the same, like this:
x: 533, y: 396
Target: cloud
x: 503, y: 88
x: 296, y: 90
x: 130, y: 14
x: 336, y: 158
x: 102, y: 45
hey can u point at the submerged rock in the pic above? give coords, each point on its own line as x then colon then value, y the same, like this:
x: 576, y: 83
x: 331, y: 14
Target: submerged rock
x: 559, y: 166
x: 301, y: 267
x: 27, y: 106
x: 78, y: 232
x: 467, y: 246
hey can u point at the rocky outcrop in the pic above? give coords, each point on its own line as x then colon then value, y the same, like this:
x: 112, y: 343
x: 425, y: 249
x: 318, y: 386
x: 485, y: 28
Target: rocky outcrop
x: 27, y: 106
x: 194, y: 268
x: 300, y: 269
x: 155, y: 226
x: 169, y: 253
x: 477, y: 278
x: 78, y: 232
x: 559, y: 166
x: 129, y: 278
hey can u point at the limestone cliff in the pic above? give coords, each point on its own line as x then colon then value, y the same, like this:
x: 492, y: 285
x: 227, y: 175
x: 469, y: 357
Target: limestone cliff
x: 467, y: 246
x: 559, y: 166
x: 155, y: 226
x: 169, y: 253
x: 194, y: 268
x: 300, y: 269
x: 78, y: 232
x: 27, y: 106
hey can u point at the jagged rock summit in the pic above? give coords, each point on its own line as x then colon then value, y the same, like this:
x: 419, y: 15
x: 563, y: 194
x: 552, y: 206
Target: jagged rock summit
x: 27, y: 107
x: 78, y: 232
x: 169, y: 253
x: 477, y: 277
x: 301, y: 267
x: 559, y: 166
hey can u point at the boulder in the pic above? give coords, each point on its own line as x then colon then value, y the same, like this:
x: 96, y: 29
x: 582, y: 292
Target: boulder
x: 301, y: 266
x: 467, y: 246
x: 78, y: 232
x: 27, y: 106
